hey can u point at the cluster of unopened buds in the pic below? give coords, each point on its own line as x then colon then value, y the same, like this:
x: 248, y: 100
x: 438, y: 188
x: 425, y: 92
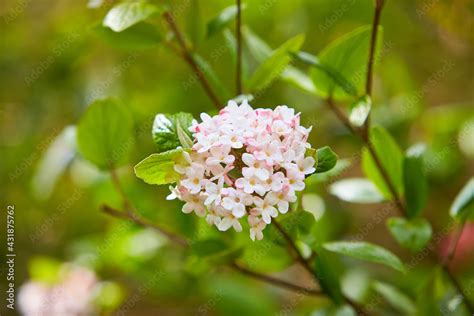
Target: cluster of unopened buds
x: 244, y: 163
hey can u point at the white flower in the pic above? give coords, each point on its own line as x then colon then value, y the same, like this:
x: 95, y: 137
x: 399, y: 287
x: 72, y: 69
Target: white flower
x: 236, y: 201
x: 228, y: 222
x: 255, y: 167
x: 266, y: 207
x: 220, y: 155
x: 256, y: 228
x: 283, y: 199
x: 270, y: 153
x: 194, y: 204
x: 306, y: 164
x: 250, y: 183
x: 214, y: 192
x: 194, y: 178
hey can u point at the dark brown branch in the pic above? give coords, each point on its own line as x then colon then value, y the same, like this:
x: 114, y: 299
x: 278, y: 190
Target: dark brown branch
x: 175, y: 238
x: 142, y: 222
x: 238, y: 26
x: 275, y: 281
x: 373, y: 44
x: 185, y: 53
x: 459, y: 288
x: 306, y: 264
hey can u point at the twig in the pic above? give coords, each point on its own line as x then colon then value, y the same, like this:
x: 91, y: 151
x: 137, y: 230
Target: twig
x: 178, y: 240
x: 275, y: 281
x: 305, y: 263
x: 370, y: 64
x: 238, y: 73
x: 142, y: 222
x: 453, y: 244
x: 373, y: 43
x: 185, y: 53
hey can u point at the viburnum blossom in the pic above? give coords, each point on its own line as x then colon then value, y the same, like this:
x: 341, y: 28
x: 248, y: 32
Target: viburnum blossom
x: 244, y: 163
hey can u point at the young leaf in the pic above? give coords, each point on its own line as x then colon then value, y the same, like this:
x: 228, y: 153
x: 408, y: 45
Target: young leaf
x: 139, y: 36
x: 159, y: 168
x: 194, y: 25
x: 165, y: 131
x: 356, y: 190
x: 360, y: 110
x: 463, y: 205
x: 338, y: 79
x: 184, y: 139
x: 415, y: 184
x: 128, y: 13
x: 105, y: 133
x: 326, y: 275
x: 261, y: 51
x: 208, y: 247
x: 395, y: 297
x: 348, y: 57
x: 390, y: 157
x: 219, y: 22
x: 326, y: 159
x: 411, y: 234
x: 274, y: 65
x: 366, y: 251
x: 211, y: 75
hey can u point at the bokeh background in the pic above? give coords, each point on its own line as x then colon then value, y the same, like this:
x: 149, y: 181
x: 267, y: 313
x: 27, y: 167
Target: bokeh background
x: 53, y: 63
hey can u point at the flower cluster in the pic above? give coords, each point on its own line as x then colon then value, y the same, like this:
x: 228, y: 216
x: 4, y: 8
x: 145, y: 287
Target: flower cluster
x: 244, y: 163
x: 73, y: 296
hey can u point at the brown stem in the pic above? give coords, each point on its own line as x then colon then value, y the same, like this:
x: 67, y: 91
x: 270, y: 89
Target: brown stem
x: 187, y: 56
x: 385, y: 176
x: 370, y: 64
x: 453, y: 244
x: 305, y: 263
x: 459, y: 288
x: 184, y: 243
x: 238, y: 75
x: 373, y: 44
x: 142, y: 222
x: 275, y: 281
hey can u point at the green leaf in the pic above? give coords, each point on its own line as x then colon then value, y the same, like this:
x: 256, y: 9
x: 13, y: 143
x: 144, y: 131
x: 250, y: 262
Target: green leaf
x: 159, y: 168
x: 208, y: 247
x: 105, y: 133
x: 348, y: 57
x: 360, y: 111
x: 356, y: 190
x: 395, y: 297
x: 415, y: 184
x: 165, y: 130
x: 129, y: 13
x: 390, y: 157
x: 326, y: 275
x: 261, y: 51
x: 463, y: 205
x: 411, y: 234
x: 139, y: 36
x: 338, y: 79
x: 220, y: 22
x: 194, y: 25
x: 183, y: 136
x: 211, y: 75
x: 366, y: 251
x: 326, y: 159
x: 274, y: 65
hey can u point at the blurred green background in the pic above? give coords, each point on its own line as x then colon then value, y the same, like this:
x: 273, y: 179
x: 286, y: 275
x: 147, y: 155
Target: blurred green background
x: 53, y: 63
